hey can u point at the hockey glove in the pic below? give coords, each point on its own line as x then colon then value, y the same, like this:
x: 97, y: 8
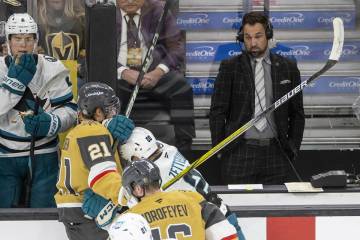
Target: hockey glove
x: 120, y: 127
x: 233, y: 221
x: 215, y: 199
x: 98, y: 208
x: 20, y: 74
x: 43, y: 124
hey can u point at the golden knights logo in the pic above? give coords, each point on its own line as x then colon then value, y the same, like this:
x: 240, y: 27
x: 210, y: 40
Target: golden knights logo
x: 63, y: 46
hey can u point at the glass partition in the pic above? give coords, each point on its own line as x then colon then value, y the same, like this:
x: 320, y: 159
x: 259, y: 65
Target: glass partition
x: 199, y: 35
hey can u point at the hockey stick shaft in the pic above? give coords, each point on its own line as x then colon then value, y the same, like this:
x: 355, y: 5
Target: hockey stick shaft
x: 333, y: 59
x: 32, y: 158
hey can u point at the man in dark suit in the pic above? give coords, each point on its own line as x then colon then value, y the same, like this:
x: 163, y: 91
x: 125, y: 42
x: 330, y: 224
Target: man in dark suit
x: 245, y: 86
x: 136, y: 24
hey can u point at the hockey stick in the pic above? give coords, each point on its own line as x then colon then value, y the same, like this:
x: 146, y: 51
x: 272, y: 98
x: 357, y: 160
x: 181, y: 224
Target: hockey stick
x: 29, y: 178
x: 147, y: 61
x: 333, y: 59
x: 22, y: 106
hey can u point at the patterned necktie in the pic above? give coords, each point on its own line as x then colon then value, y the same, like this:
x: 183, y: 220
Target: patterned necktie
x: 260, y: 104
x: 133, y: 44
x: 133, y: 40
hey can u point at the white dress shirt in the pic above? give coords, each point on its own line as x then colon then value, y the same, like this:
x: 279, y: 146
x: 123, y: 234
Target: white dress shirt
x: 122, y: 58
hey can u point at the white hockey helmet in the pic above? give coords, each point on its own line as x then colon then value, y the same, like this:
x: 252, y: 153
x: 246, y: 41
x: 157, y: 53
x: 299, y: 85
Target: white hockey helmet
x: 20, y: 23
x: 130, y: 226
x: 141, y: 144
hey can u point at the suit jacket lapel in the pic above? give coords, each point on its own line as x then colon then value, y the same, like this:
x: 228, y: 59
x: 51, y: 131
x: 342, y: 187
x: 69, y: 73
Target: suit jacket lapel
x: 145, y: 24
x: 145, y: 21
x: 118, y: 27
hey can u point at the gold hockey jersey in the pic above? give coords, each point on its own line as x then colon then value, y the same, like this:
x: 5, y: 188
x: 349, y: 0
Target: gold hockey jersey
x: 87, y: 161
x: 183, y: 215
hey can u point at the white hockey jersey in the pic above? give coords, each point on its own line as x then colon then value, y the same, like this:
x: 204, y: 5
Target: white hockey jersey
x: 171, y: 163
x: 51, y: 83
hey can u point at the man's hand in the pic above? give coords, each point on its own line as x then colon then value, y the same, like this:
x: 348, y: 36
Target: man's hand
x: 120, y: 127
x: 152, y: 78
x: 98, y: 208
x: 130, y: 76
x: 24, y: 70
x: 21, y: 72
x: 42, y: 124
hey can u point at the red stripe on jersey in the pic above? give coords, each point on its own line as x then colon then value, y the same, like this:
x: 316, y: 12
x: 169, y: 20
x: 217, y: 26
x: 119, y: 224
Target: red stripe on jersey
x: 100, y: 176
x: 294, y: 228
x: 231, y: 237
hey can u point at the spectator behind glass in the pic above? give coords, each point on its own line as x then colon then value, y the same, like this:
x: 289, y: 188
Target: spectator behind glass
x: 6, y: 9
x: 164, y: 81
x: 62, y: 29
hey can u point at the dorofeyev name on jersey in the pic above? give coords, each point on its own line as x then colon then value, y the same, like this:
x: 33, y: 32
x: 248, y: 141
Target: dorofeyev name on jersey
x: 170, y: 211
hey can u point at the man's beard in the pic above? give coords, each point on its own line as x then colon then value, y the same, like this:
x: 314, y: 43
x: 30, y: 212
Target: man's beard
x: 256, y: 52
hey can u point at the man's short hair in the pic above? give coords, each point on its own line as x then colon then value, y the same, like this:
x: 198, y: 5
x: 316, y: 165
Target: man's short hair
x: 252, y: 18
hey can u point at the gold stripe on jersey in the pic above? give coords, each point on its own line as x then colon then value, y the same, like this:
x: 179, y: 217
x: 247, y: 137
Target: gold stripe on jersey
x: 87, y: 158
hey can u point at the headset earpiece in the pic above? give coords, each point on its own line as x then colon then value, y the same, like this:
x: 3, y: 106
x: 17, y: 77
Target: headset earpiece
x: 269, y: 30
x: 240, y: 35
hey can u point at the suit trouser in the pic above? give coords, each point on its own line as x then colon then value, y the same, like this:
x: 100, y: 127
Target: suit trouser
x: 251, y: 163
x: 176, y: 95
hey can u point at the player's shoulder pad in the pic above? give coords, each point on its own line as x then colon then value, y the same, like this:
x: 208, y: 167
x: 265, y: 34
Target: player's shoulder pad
x: 51, y: 66
x: 85, y: 129
x: 50, y: 59
x: 195, y: 196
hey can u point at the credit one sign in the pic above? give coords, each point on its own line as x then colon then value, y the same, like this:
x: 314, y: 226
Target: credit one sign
x: 208, y: 20
x: 207, y: 52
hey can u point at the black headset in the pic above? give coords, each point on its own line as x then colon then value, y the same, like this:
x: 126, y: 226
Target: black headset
x: 268, y: 31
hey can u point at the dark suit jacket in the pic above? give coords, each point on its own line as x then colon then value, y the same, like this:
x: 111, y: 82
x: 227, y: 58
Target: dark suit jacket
x: 233, y: 104
x: 170, y: 49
